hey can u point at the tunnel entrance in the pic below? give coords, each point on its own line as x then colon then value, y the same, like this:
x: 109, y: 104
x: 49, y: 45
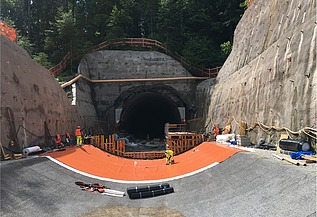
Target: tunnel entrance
x: 145, y: 115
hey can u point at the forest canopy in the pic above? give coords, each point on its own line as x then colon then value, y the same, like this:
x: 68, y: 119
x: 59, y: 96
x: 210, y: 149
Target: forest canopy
x: 199, y: 30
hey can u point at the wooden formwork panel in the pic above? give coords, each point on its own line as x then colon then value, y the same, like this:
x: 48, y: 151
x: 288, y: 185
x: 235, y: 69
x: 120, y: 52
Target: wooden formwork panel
x: 95, y: 141
x: 102, y: 142
x: 144, y: 155
x: 179, y: 143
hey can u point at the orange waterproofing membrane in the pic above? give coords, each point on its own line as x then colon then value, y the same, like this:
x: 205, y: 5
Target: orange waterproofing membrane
x: 8, y: 31
x: 97, y: 163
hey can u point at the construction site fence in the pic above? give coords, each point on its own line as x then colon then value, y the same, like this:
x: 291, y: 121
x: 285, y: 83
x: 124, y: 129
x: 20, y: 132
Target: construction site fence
x: 179, y: 143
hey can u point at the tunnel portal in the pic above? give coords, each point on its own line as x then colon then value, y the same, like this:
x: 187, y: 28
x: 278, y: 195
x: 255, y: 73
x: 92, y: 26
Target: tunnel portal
x: 145, y: 115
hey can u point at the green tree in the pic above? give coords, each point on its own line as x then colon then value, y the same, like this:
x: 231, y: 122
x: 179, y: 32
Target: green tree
x: 125, y: 20
x: 62, y: 38
x: 198, y: 29
x: 149, y: 17
x: 226, y: 48
x: 42, y: 58
x: 91, y: 20
x: 119, y: 23
x: 25, y: 43
x: 202, y: 51
x: 170, y: 25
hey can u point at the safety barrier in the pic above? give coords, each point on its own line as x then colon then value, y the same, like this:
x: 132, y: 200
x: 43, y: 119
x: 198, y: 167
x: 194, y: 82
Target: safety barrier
x: 56, y: 70
x: 179, y: 143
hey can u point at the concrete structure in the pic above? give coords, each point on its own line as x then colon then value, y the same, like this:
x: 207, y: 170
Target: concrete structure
x: 141, y: 108
x: 269, y: 77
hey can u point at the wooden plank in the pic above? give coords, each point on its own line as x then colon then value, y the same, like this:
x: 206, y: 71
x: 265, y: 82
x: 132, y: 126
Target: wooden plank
x: 290, y: 160
x: 311, y: 158
x: 4, y: 155
x: 296, y: 162
x: 310, y: 161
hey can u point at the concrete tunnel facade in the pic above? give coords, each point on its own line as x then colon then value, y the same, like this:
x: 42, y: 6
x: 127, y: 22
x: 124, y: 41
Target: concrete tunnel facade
x: 145, y: 111
x: 140, y: 108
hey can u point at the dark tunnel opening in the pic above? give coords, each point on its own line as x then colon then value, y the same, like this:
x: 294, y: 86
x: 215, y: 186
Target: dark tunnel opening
x: 144, y: 116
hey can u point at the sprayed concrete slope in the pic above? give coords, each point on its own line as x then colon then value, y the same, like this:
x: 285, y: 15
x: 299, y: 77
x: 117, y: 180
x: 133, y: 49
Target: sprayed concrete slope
x: 243, y: 185
x: 270, y: 74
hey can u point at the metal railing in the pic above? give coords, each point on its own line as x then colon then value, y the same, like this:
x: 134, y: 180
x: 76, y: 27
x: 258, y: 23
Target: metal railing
x: 140, y: 42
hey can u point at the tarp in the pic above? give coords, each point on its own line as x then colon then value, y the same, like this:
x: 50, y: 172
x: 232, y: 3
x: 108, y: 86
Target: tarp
x: 103, y: 165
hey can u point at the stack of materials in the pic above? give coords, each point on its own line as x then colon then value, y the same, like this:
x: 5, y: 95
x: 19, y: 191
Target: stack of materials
x: 294, y: 145
x: 298, y: 151
x: 149, y: 191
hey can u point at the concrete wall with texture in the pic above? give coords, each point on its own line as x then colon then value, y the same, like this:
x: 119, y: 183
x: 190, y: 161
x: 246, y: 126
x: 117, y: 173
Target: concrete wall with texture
x: 270, y: 75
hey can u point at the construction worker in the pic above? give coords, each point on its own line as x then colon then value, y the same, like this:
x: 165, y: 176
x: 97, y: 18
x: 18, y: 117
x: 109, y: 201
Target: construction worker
x: 58, y: 141
x: 79, y: 138
x: 227, y: 129
x: 68, y: 138
x: 216, y: 131
x: 169, y: 154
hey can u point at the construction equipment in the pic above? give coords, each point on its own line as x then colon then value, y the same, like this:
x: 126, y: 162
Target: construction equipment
x: 10, y: 156
x: 4, y: 156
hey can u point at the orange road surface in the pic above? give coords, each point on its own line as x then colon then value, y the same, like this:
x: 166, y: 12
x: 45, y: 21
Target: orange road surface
x: 91, y: 161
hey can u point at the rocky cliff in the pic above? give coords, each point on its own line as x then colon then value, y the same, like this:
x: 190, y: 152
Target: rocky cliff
x: 270, y: 75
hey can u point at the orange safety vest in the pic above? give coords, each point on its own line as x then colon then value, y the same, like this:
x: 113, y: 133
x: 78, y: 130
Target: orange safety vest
x: 67, y: 135
x: 216, y: 131
x: 58, y: 139
x: 77, y: 132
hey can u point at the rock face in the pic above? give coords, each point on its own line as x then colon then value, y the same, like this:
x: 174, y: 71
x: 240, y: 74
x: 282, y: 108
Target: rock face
x: 270, y: 75
x: 31, y: 101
